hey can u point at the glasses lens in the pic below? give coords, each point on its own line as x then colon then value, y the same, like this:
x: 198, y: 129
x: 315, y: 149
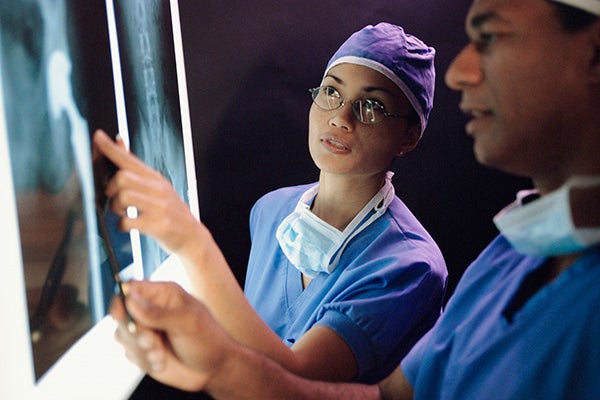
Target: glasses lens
x: 326, y: 98
x: 368, y: 111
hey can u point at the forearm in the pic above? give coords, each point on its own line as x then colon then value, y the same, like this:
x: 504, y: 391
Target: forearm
x: 213, y: 282
x: 179, y: 343
x: 249, y: 375
x: 396, y: 386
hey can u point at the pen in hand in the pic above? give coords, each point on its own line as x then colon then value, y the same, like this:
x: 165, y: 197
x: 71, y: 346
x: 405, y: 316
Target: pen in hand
x: 114, y: 264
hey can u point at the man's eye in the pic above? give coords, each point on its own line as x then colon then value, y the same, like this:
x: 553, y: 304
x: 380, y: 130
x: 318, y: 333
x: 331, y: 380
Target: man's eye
x: 484, y: 40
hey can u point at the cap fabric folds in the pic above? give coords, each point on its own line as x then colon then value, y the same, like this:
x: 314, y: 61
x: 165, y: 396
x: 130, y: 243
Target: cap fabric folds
x: 591, y: 6
x: 401, y: 57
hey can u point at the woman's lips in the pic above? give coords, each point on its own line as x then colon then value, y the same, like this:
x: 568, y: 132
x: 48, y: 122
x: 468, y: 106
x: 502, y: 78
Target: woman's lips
x: 335, y: 145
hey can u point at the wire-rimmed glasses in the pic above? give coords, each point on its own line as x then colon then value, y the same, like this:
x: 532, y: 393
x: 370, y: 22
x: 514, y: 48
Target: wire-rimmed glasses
x: 367, y: 111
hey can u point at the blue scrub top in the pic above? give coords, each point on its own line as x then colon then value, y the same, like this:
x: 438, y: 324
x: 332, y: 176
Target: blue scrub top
x: 385, y: 293
x: 483, y: 348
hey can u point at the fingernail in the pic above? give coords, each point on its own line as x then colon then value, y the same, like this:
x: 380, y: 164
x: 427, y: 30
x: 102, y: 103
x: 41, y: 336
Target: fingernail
x: 131, y: 327
x: 144, y: 341
x: 157, y: 367
x: 154, y: 356
x: 156, y: 360
x: 126, y: 288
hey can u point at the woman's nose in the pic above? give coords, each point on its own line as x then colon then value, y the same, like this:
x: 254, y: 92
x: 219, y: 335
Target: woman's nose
x: 344, y: 117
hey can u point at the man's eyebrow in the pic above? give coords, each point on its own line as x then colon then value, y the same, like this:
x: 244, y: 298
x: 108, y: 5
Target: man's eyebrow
x: 480, y: 19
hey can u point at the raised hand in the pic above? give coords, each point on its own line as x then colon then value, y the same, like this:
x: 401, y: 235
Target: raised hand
x: 158, y: 210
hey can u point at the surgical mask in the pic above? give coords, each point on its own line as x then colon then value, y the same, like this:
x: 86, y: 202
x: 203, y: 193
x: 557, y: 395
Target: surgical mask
x: 544, y: 227
x: 314, y: 246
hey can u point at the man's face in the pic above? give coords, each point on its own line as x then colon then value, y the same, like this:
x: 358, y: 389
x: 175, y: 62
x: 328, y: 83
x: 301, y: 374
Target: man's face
x: 522, y: 83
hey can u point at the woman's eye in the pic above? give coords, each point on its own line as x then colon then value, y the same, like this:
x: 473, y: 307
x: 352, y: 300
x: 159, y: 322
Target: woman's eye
x: 329, y: 91
x: 376, y: 104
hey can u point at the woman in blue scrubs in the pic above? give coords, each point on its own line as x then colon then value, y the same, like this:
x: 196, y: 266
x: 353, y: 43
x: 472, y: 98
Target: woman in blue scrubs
x: 342, y: 278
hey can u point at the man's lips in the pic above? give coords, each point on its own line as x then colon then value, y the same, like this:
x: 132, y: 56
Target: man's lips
x: 479, y: 117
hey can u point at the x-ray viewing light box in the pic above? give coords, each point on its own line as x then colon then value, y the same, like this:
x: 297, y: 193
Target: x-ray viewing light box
x: 57, y: 341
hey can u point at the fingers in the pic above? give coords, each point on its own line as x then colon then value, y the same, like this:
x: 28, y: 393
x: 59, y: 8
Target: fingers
x: 135, y: 185
x: 119, y: 140
x: 161, y: 213
x: 145, y: 347
x: 176, y: 373
x: 130, y: 188
x: 117, y: 310
x: 148, y: 350
x: 153, y: 305
x: 157, y: 359
x: 115, y: 152
x: 156, y: 304
x: 166, y: 342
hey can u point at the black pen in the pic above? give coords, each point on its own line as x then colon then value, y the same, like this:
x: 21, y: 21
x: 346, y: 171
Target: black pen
x: 114, y: 264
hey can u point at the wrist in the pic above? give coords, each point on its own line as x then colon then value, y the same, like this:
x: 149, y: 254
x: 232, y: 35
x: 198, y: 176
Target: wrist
x: 229, y: 375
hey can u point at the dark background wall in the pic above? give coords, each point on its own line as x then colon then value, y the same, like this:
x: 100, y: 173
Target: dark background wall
x: 249, y: 65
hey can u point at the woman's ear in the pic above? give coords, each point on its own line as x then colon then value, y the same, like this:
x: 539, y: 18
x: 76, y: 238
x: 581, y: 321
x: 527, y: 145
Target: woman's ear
x: 411, y: 139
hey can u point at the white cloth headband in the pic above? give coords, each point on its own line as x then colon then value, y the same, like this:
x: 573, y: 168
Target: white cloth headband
x: 591, y: 6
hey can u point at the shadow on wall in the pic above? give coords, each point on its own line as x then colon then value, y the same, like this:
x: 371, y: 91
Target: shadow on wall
x: 249, y: 66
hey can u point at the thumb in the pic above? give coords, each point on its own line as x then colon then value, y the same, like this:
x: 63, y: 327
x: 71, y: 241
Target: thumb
x: 157, y: 305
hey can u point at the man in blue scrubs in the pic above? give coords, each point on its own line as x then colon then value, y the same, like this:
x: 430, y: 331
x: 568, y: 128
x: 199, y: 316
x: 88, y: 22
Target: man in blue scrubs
x: 523, y: 322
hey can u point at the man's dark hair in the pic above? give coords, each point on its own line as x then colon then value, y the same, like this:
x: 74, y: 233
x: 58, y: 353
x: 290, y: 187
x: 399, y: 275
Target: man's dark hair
x: 573, y: 19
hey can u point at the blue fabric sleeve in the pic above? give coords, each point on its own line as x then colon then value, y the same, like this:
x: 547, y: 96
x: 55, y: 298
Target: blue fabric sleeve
x: 386, y: 292
x: 391, y: 309
x: 411, y: 363
x: 352, y: 335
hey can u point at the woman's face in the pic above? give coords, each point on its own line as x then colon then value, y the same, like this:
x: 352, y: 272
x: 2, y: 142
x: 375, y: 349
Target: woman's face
x: 340, y: 144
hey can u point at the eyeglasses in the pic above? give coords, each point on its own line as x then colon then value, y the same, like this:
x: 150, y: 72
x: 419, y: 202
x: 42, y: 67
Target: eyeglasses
x: 367, y: 111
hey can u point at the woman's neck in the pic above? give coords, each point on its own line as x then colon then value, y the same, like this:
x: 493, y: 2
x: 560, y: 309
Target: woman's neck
x: 339, y: 200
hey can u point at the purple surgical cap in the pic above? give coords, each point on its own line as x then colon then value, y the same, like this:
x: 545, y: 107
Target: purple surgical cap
x: 401, y: 57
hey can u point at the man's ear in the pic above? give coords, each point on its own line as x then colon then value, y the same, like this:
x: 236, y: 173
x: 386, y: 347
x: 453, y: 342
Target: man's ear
x: 595, y: 64
x: 413, y: 134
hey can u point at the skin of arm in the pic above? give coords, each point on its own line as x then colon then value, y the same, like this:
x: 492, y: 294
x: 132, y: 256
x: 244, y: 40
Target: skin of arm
x: 584, y: 207
x: 179, y: 343
x: 319, y: 354
x: 396, y: 386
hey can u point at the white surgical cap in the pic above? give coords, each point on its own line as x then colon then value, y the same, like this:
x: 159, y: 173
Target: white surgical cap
x: 591, y: 6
